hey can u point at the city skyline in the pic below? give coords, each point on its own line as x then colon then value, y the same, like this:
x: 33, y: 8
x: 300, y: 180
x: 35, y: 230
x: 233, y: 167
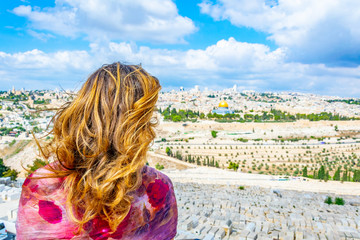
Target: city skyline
x: 179, y: 89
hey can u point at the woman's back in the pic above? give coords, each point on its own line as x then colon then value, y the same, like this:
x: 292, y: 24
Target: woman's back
x: 42, y: 211
x: 97, y: 183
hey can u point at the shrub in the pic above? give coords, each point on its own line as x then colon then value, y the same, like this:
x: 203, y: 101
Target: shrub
x: 12, y: 173
x: 12, y: 142
x: 242, y: 139
x: 168, y: 151
x: 159, y: 167
x: 233, y: 165
x: 328, y: 200
x: 339, y: 201
x: 241, y: 187
x: 38, y: 163
x: 214, y: 133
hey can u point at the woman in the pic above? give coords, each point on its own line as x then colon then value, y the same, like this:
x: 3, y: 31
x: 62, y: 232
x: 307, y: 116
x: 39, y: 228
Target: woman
x: 98, y: 186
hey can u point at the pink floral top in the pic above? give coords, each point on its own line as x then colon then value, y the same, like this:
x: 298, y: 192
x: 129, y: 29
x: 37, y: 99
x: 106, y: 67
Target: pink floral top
x: 42, y: 213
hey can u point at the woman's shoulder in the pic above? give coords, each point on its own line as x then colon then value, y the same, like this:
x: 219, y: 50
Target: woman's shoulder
x: 157, y: 187
x: 149, y: 174
x: 42, y: 180
x: 155, y: 209
x: 42, y: 206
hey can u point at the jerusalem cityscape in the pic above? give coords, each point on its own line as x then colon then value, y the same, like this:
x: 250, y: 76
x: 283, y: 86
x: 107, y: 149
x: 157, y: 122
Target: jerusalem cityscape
x: 180, y: 120
x: 283, y: 165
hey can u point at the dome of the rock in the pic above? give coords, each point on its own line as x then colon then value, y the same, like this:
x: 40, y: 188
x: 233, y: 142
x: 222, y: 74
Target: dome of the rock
x: 224, y: 104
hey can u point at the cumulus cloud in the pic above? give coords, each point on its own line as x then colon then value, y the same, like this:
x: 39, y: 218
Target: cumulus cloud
x: 154, y: 21
x: 228, y: 62
x: 233, y: 56
x: 36, y: 69
x: 313, y: 31
x: 37, y: 60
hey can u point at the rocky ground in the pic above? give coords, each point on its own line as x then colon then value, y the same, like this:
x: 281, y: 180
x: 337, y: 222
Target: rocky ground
x: 216, y: 211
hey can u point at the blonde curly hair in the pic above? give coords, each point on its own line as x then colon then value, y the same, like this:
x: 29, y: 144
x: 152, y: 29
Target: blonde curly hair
x: 100, y: 142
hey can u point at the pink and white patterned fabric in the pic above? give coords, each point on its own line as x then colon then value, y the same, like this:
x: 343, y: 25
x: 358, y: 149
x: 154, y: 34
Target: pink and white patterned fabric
x: 42, y: 213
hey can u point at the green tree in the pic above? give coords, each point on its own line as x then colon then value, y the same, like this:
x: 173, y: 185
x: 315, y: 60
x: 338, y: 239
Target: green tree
x: 173, y: 111
x: 328, y: 200
x: 356, y: 176
x: 321, y: 172
x: 345, y: 175
x: 339, y: 201
x: 38, y: 163
x: 305, y: 172
x: 337, y: 174
x: 176, y: 118
x: 159, y: 167
x: 214, y: 133
x: 12, y: 173
x: 233, y: 165
x: 326, y: 177
x: 3, y: 168
x: 178, y: 155
x: 315, y: 174
x: 168, y: 151
x: 188, y: 159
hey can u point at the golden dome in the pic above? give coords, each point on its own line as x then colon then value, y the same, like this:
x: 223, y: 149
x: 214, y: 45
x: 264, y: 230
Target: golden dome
x: 223, y: 103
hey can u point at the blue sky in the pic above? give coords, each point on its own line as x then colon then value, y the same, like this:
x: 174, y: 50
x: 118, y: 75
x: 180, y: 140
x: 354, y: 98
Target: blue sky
x: 263, y: 45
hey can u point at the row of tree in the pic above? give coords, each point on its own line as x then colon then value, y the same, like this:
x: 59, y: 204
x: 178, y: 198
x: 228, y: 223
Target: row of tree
x: 181, y: 115
x: 4, y: 131
x: 348, y: 101
x: 41, y: 101
x: 273, y: 115
x: 15, y: 98
x: 323, y: 174
x: 192, y: 159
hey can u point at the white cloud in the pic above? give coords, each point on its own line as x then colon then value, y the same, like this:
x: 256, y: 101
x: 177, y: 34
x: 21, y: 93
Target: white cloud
x: 155, y: 20
x: 227, y: 62
x: 230, y: 55
x: 36, y: 59
x: 36, y: 69
x: 313, y: 31
x: 41, y: 36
